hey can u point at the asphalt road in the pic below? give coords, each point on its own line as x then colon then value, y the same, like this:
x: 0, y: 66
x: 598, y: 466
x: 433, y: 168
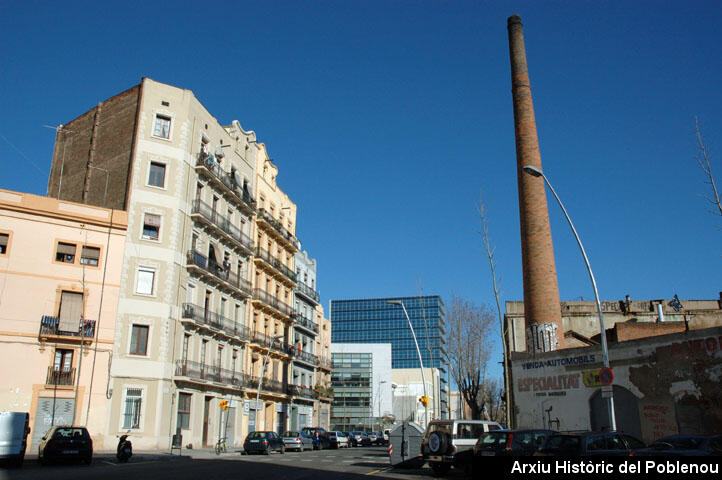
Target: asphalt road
x: 348, y: 463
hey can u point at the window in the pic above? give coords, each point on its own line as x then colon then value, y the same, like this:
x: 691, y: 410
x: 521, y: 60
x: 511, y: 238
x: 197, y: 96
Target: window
x: 146, y: 281
x: 184, y: 351
x: 151, y: 226
x: 133, y: 403
x: 184, y: 410
x: 139, y: 340
x: 63, y: 360
x: 156, y: 176
x: 65, y: 252
x: 71, y: 309
x: 161, y: 128
x: 89, y: 256
x: 4, y: 237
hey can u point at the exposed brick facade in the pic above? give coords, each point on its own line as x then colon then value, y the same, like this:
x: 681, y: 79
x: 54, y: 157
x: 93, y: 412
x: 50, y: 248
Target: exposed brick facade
x: 98, y: 141
x: 541, y: 291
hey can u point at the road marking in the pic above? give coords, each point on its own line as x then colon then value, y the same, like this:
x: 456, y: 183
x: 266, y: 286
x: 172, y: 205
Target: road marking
x: 379, y: 470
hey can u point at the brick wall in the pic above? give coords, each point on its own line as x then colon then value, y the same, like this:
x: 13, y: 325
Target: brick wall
x: 634, y: 330
x: 103, y: 138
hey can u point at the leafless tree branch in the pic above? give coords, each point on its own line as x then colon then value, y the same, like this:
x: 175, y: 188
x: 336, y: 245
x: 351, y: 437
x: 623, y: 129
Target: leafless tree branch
x: 704, y: 160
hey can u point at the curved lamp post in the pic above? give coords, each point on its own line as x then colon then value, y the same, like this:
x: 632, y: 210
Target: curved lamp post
x: 421, y: 363
x: 260, y: 378
x: 534, y: 171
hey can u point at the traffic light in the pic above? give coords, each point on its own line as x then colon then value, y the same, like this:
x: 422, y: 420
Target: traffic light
x: 424, y: 400
x: 224, y: 404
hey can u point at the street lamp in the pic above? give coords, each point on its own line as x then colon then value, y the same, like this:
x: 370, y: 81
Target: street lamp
x: 260, y: 379
x: 421, y: 363
x: 377, y: 400
x: 536, y: 172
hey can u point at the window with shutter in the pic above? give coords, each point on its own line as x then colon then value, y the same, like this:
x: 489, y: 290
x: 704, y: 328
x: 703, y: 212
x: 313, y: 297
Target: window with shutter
x: 65, y: 252
x: 146, y: 281
x: 90, y: 256
x: 151, y: 226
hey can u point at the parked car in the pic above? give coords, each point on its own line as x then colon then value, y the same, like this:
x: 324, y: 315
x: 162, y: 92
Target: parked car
x: 362, y: 439
x: 511, y: 443
x: 351, y: 439
x: 14, y: 430
x: 337, y: 439
x: 379, y: 438
x: 590, y: 443
x: 263, y: 442
x: 684, y: 445
x: 297, y: 441
x: 373, y: 438
x: 64, y: 443
x: 445, y: 440
x: 322, y: 441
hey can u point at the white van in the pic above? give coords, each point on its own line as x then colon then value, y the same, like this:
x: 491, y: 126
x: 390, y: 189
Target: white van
x: 14, y: 429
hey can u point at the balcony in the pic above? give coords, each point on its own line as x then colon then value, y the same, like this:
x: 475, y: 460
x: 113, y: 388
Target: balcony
x: 50, y: 326
x: 204, y: 213
x: 214, y: 273
x: 226, y: 182
x: 308, y: 292
x: 211, y: 373
x: 270, y: 300
x: 306, y: 357
x: 264, y: 341
x: 303, y: 392
x: 275, y: 263
x: 202, y: 317
x: 60, y: 377
x: 305, y: 323
x: 290, y: 239
x: 325, y: 363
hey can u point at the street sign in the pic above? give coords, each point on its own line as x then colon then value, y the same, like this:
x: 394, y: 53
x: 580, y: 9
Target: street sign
x: 606, y: 376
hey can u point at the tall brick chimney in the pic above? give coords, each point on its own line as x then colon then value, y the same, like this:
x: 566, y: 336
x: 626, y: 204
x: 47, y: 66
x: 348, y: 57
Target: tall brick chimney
x: 542, y: 310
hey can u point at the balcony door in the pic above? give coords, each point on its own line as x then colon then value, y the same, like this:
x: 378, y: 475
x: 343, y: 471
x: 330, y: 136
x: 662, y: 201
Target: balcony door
x: 71, y: 307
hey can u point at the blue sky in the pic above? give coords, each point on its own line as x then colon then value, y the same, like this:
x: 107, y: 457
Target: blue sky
x: 387, y: 120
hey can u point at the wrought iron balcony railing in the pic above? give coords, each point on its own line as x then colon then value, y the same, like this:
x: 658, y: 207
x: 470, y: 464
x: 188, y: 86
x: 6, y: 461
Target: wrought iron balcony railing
x: 299, y: 391
x: 263, y: 214
x: 203, y: 316
x: 226, y: 180
x: 264, y: 340
x: 213, y: 373
x: 325, y: 362
x: 275, y: 263
x: 225, y: 275
x: 308, y: 292
x: 307, y: 357
x: 272, y: 301
x: 222, y: 223
x: 60, y: 377
x: 305, y: 322
x: 51, y: 326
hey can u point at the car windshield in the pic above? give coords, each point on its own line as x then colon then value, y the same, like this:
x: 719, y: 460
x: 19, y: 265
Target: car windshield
x: 69, y: 433
x: 291, y: 434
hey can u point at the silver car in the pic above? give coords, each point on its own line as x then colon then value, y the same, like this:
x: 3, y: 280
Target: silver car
x: 297, y: 441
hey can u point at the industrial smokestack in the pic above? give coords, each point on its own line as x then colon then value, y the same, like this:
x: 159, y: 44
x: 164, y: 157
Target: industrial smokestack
x: 542, y: 310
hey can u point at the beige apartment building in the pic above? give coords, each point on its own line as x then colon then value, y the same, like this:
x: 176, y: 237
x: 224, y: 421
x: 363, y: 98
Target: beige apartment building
x: 208, y: 275
x: 60, y: 269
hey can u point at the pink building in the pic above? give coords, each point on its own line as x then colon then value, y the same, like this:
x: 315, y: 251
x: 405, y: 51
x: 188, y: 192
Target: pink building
x: 60, y: 268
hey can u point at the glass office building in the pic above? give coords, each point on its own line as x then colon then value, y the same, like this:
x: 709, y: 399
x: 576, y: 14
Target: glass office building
x: 351, y: 381
x: 374, y: 320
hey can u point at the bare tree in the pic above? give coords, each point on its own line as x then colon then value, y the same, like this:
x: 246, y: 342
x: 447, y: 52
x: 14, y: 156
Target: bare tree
x: 491, y: 404
x: 704, y: 160
x: 469, y: 348
x: 495, y: 282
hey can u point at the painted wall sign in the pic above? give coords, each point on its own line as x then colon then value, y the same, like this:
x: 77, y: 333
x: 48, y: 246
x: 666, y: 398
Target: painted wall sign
x: 554, y: 382
x: 699, y: 345
x: 591, y: 378
x: 560, y: 362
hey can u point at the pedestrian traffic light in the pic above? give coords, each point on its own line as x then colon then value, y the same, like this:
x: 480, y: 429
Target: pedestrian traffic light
x: 224, y: 404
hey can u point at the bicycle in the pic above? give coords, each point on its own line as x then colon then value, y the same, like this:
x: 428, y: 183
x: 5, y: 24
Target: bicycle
x: 221, y: 446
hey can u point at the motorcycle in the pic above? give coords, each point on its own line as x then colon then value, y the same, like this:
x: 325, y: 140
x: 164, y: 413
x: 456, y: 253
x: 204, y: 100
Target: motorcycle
x: 125, y: 449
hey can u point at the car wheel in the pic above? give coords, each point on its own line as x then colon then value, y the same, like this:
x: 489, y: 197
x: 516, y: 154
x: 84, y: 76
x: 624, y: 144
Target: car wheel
x: 88, y: 460
x: 283, y: 449
x: 440, y: 469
